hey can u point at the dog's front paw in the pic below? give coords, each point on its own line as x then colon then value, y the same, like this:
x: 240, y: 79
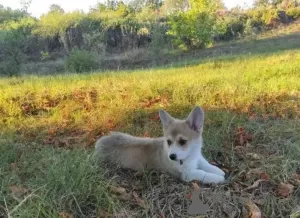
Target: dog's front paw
x: 224, y: 179
x: 217, y: 179
x: 218, y: 171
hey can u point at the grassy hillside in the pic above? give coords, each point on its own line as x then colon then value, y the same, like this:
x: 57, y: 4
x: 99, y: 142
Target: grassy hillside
x: 49, y: 125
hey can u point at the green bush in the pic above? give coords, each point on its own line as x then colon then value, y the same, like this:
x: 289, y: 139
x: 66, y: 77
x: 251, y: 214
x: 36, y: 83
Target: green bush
x: 194, y: 28
x: 9, y: 68
x: 191, y: 31
x: 229, y: 27
x: 253, y: 27
x: 270, y: 16
x: 158, y: 38
x: 293, y: 12
x: 264, y: 17
x: 80, y: 61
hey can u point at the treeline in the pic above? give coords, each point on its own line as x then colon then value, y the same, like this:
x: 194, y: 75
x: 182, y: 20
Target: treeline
x: 115, y: 27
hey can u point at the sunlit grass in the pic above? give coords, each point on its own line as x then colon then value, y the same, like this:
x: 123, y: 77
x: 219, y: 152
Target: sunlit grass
x: 262, y: 84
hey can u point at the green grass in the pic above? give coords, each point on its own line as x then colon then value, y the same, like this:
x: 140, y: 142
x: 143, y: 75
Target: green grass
x: 57, y: 180
x: 49, y: 125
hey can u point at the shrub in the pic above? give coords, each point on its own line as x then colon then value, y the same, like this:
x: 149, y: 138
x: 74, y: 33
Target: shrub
x: 294, y: 12
x: 80, y: 61
x: 265, y: 17
x: 191, y: 30
x: 195, y: 27
x: 229, y: 27
x: 14, y: 38
x: 9, y: 68
x: 270, y: 16
x: 94, y: 41
x: 158, y: 38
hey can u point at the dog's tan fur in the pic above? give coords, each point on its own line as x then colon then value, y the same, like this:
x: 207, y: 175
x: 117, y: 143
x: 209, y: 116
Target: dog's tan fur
x: 134, y: 152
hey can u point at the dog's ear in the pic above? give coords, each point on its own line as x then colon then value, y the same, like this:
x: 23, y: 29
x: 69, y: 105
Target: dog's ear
x: 165, y: 118
x: 196, y: 119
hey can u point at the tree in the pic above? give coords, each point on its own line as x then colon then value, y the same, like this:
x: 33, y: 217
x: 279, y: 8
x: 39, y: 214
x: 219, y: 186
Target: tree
x: 25, y: 4
x: 13, y: 43
x: 172, y: 6
x: 261, y: 3
x: 57, y: 24
x: 137, y: 5
x: 7, y: 14
x: 56, y: 8
x: 194, y: 28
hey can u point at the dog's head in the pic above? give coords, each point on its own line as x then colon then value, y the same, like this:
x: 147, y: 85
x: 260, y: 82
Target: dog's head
x: 182, y: 137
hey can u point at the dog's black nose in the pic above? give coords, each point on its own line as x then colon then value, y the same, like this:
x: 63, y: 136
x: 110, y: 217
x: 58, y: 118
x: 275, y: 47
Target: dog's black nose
x: 173, y: 156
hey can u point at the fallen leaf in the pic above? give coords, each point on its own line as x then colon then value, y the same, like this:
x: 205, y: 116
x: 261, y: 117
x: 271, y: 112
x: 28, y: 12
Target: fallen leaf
x: 258, y: 173
x: 51, y: 131
x: 265, y: 176
x: 253, y: 156
x: 13, y: 166
x: 125, y: 197
x: 161, y: 215
x: 104, y: 214
x: 49, y: 141
x: 248, y: 145
x: 118, y: 190
x: 65, y: 215
x: 296, y: 176
x: 146, y: 134
x: 254, y: 211
x: 236, y: 186
x: 189, y: 196
x: 139, y: 174
x: 295, y: 179
x: 254, y: 163
x: 156, y: 117
x: 284, y: 189
x: 260, y: 201
x: 265, y: 117
x: 248, y: 137
x: 255, y: 171
x: 121, y: 193
x: 138, y: 200
x: 255, y: 184
x: 253, y: 117
x: 243, y: 137
x: 241, y: 140
x: 16, y: 190
x: 195, y: 185
x: 239, y: 148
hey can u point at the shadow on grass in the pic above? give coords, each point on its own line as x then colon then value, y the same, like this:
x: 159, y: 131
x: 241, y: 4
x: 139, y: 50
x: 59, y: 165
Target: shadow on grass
x: 272, y: 152
x: 144, y: 121
x: 228, y: 51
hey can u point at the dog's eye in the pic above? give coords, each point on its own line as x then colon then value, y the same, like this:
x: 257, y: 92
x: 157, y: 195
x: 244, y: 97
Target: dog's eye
x: 182, y: 142
x: 169, y: 142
